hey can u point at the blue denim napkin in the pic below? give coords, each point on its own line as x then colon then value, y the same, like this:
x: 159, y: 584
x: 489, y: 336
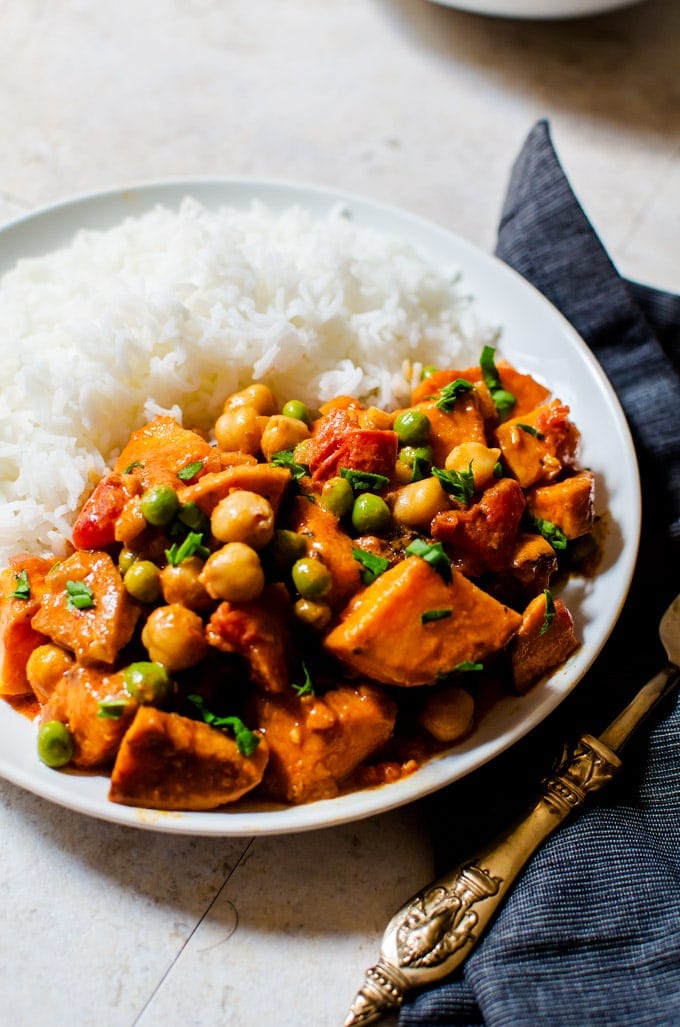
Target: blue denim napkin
x: 590, y: 935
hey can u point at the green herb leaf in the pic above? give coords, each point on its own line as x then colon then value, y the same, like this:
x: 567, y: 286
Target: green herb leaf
x: 503, y: 400
x: 447, y: 396
x: 130, y: 467
x: 190, y: 471
x: 554, y: 535
x: 432, y: 553
x: 112, y: 709
x: 530, y: 430
x: 307, y: 688
x: 549, y: 611
x: 246, y: 740
x: 285, y: 458
x: 364, y: 481
x: 192, y: 545
x: 468, y: 665
x: 22, y: 588
x: 373, y: 566
x: 430, y: 615
x: 80, y: 596
x: 459, y: 484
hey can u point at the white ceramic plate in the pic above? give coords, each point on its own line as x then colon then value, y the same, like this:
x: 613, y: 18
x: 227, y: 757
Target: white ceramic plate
x: 537, y: 339
x: 539, y: 10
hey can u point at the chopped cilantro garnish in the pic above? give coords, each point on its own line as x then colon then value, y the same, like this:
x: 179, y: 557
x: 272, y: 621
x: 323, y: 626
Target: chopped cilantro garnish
x: 285, y: 458
x: 80, y: 595
x: 459, y: 484
x: 530, y: 430
x: 432, y: 553
x: 22, y: 589
x: 190, y: 471
x: 246, y: 740
x: 503, y: 399
x: 430, y: 615
x: 192, y: 545
x: 373, y: 566
x: 307, y: 687
x: 112, y: 709
x: 554, y: 535
x: 468, y: 665
x: 447, y: 396
x: 549, y: 611
x: 364, y: 481
x: 130, y: 467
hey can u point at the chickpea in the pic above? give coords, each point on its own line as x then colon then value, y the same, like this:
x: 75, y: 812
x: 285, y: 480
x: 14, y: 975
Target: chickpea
x: 173, y: 636
x: 239, y: 429
x: 256, y: 395
x: 243, y: 516
x: 234, y: 573
x: 45, y: 667
x: 181, y: 584
x: 482, y: 458
x: 282, y: 432
x: 448, y: 714
x: 417, y: 503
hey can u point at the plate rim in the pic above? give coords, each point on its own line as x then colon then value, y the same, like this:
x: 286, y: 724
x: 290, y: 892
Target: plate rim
x: 328, y: 812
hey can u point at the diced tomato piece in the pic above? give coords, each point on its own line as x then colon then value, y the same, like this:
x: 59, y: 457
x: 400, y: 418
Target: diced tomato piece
x: 95, y: 525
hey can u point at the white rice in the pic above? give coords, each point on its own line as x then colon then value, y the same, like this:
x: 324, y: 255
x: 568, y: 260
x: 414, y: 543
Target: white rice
x: 173, y: 310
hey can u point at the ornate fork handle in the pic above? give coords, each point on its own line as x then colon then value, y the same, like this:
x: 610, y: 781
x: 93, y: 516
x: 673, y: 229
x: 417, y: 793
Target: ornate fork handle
x: 434, y: 932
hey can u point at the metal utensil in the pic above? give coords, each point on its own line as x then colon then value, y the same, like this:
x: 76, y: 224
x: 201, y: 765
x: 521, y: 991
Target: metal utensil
x: 433, y: 933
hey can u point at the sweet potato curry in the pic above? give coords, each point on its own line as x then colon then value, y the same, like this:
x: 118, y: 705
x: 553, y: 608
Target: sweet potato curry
x: 304, y: 602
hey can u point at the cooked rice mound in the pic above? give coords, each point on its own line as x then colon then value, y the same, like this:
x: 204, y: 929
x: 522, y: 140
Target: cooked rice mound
x: 176, y: 309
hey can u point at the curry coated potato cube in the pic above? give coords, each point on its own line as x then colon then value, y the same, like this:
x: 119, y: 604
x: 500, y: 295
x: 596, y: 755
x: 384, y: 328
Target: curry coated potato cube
x: 542, y: 642
x: 161, y: 449
x: 75, y: 702
x: 18, y: 638
x: 539, y: 445
x: 316, y: 742
x: 569, y: 504
x: 410, y: 626
x: 171, y: 762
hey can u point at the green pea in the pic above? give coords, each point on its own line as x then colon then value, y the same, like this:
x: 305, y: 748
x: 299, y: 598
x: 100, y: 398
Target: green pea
x: 311, y: 578
x: 370, y: 514
x: 55, y: 743
x: 315, y: 613
x: 143, y: 581
x: 427, y: 372
x: 193, y: 517
x: 126, y: 558
x: 159, y: 504
x: 286, y: 547
x: 337, y: 496
x: 412, y: 427
x: 148, y: 682
x: 409, y: 455
x: 295, y: 408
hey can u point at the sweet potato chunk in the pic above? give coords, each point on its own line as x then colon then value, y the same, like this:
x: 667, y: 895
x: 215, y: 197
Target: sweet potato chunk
x: 539, y: 445
x: 382, y: 634
x: 482, y: 537
x: 570, y: 504
x: 258, y: 631
x: 167, y: 761
x: 317, y: 741
x: 535, y: 651
x: 265, y: 479
x: 156, y: 453
x: 527, y: 391
x: 334, y: 547
x: 75, y: 702
x: 96, y: 634
x: 464, y: 423
x: 18, y: 638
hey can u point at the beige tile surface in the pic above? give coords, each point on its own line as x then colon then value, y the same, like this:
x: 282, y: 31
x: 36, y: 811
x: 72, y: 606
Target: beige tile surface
x: 402, y: 100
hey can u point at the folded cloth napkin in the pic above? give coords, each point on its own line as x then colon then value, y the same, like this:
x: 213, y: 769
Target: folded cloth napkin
x: 590, y: 933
